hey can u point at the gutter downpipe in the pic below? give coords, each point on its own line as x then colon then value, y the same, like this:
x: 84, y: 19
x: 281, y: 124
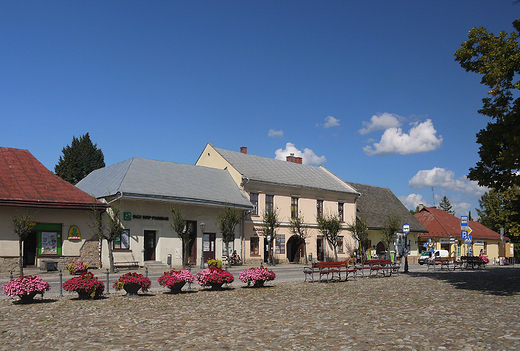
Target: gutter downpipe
x: 243, y: 227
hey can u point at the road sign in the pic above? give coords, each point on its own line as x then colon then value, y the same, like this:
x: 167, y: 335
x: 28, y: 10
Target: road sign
x: 469, y: 239
x: 463, y: 234
x: 406, y: 228
x: 463, y: 221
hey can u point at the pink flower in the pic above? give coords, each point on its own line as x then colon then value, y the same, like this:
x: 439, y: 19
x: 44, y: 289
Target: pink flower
x: 254, y: 275
x: 25, y: 285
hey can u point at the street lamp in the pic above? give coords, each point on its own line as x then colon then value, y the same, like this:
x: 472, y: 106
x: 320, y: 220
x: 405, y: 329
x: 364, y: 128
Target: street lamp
x: 202, y: 227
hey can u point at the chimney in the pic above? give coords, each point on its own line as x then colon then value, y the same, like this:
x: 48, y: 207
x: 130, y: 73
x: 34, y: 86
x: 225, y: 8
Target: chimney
x: 243, y: 149
x: 293, y: 159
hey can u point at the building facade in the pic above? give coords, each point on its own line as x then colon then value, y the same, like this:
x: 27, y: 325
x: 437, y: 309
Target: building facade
x: 61, y: 215
x: 144, y: 190
x: 292, y: 189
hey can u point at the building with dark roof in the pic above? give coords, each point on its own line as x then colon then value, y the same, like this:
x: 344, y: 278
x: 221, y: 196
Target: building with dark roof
x: 444, y: 230
x: 146, y: 189
x: 56, y: 208
x: 375, y: 205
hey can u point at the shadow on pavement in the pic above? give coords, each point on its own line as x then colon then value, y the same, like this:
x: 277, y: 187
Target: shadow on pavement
x: 503, y: 281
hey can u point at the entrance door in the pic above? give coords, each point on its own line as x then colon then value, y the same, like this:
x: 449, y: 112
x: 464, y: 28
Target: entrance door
x: 320, y: 245
x: 295, y: 249
x: 149, y: 245
x: 30, y: 247
x: 208, y: 246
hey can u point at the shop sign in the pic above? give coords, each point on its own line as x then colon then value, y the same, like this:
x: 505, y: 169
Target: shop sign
x: 74, y: 233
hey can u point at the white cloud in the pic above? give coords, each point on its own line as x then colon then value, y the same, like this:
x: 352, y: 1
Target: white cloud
x: 412, y: 201
x: 384, y: 121
x: 445, y: 179
x: 275, y: 133
x: 308, y: 156
x: 422, y: 138
x: 331, y: 122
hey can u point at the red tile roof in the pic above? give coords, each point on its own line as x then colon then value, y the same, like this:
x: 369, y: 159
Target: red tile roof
x: 24, y: 181
x: 441, y: 224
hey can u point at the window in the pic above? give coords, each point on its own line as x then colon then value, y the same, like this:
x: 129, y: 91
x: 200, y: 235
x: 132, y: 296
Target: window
x: 280, y: 244
x: 340, y: 211
x: 253, y: 197
x: 319, y: 208
x: 340, y: 244
x: 122, y: 242
x: 294, y: 207
x: 255, y: 246
x: 269, y: 200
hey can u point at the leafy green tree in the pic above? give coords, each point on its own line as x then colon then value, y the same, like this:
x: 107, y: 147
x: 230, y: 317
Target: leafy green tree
x: 498, y: 210
x: 227, y: 221
x: 79, y: 159
x: 359, y: 231
x: 179, y: 225
x: 497, y: 59
x: 298, y: 228
x: 330, y: 226
x: 391, y: 226
x: 445, y: 205
x: 22, y: 226
x: 270, y: 224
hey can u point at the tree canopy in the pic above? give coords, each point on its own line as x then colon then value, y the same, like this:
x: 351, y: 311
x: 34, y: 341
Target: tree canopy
x: 498, y: 210
x: 227, y: 221
x: 79, y: 159
x: 497, y: 59
x: 330, y: 226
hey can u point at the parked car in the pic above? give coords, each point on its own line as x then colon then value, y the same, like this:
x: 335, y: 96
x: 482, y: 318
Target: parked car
x: 427, y: 255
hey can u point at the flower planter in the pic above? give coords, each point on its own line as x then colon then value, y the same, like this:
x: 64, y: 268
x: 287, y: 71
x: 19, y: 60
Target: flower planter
x: 83, y: 295
x: 216, y: 286
x: 259, y: 284
x: 132, y: 289
x: 28, y: 298
x: 177, y: 287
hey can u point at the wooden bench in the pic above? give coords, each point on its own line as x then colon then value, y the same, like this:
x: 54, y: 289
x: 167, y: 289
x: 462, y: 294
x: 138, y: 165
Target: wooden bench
x: 473, y: 262
x: 444, y: 263
x: 330, y: 270
x: 128, y: 264
x: 378, y: 266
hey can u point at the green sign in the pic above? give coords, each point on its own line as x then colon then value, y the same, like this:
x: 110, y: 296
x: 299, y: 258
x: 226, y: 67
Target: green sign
x: 127, y: 216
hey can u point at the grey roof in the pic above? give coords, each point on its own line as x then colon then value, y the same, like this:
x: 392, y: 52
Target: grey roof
x: 376, y: 203
x: 143, y: 178
x: 272, y: 171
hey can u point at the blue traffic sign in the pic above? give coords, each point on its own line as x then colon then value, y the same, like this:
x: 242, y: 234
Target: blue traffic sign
x: 406, y: 228
x: 469, y: 239
x: 463, y: 221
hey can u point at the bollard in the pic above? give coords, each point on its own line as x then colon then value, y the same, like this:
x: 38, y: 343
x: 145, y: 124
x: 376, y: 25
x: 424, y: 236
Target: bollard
x: 61, y: 283
x: 11, y: 276
x: 146, y: 271
x: 189, y: 270
x: 108, y: 281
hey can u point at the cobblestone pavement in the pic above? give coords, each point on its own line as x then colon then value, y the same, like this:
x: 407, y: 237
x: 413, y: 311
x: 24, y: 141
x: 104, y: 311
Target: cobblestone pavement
x: 462, y: 310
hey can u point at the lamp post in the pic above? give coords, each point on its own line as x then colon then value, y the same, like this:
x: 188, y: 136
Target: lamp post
x: 202, y: 227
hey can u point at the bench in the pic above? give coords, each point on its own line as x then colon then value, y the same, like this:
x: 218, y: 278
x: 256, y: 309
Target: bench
x: 127, y: 264
x: 330, y: 270
x: 379, y: 266
x: 473, y: 262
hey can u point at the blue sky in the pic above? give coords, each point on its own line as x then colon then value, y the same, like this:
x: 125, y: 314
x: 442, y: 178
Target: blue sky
x: 369, y: 89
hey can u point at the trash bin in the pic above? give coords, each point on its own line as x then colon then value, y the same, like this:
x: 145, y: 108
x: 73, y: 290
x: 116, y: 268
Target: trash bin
x: 310, y: 257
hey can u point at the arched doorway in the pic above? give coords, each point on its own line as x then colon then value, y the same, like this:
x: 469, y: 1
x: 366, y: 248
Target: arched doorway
x: 380, y: 249
x: 295, y: 249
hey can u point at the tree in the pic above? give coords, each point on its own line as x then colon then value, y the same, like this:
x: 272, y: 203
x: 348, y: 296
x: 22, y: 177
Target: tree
x: 178, y: 225
x: 270, y: 224
x: 22, y: 226
x: 445, y: 205
x: 106, y: 224
x: 498, y: 209
x: 391, y: 226
x: 297, y: 226
x: 497, y: 59
x: 226, y: 223
x: 359, y: 231
x: 330, y: 226
x: 79, y: 159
